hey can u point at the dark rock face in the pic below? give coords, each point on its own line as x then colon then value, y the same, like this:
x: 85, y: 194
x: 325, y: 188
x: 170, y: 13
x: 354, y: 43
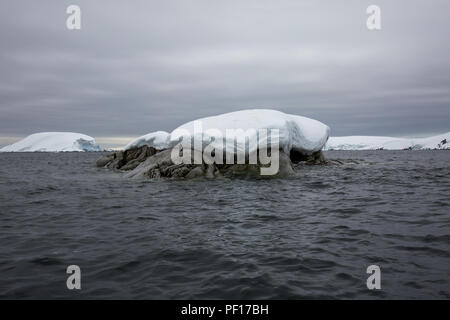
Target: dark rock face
x: 147, y: 162
x: 126, y: 160
x: 442, y: 143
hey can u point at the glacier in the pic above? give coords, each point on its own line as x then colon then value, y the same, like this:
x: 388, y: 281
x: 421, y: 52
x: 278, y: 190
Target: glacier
x: 53, y: 142
x: 441, y: 141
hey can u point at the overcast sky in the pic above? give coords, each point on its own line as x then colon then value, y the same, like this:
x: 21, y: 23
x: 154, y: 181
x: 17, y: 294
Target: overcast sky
x: 142, y: 66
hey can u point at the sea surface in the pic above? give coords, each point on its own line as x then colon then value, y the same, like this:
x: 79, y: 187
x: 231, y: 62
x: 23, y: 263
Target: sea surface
x: 308, y: 237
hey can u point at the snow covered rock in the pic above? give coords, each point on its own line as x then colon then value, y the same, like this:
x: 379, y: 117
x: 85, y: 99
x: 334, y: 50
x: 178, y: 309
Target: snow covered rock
x: 151, y: 156
x: 388, y: 143
x: 295, y: 132
x: 158, y: 140
x: 53, y: 142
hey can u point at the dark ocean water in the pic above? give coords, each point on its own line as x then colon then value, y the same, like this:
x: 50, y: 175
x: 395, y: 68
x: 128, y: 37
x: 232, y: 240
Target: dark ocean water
x: 311, y: 236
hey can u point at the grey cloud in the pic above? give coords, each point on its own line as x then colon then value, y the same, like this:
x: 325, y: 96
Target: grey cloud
x: 141, y: 66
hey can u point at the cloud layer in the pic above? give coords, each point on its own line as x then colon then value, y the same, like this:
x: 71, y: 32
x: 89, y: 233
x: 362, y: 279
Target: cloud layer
x: 143, y: 66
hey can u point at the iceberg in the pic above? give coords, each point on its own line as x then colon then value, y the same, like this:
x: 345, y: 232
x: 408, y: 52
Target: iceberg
x: 53, y: 142
x: 158, y: 140
x: 300, y: 141
x: 441, y: 141
x: 295, y: 132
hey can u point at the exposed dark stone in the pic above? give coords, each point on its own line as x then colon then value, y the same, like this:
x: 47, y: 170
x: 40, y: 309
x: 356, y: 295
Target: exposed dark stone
x: 147, y: 162
x: 297, y: 156
x: 314, y: 158
x: 104, y: 160
x: 126, y: 160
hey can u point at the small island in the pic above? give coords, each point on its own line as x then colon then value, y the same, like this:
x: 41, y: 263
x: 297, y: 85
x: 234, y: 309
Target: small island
x: 295, y: 140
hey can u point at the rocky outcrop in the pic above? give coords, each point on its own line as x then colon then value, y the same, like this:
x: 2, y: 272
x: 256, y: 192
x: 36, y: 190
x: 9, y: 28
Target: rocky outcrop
x: 126, y: 160
x: 149, y: 163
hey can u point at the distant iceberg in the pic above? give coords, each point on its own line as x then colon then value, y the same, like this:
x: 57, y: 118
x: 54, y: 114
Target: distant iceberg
x: 441, y: 141
x: 53, y: 142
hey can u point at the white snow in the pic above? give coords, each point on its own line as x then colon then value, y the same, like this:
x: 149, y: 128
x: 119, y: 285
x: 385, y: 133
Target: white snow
x: 295, y: 132
x: 53, y: 142
x: 158, y: 140
x: 387, y: 143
